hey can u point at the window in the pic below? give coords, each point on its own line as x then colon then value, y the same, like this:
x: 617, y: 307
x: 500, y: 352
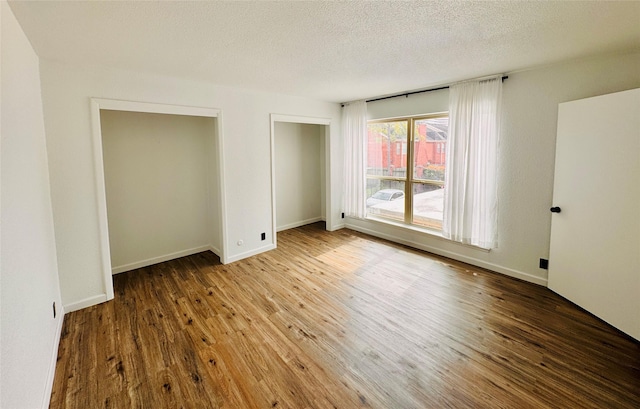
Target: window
x: 405, y: 169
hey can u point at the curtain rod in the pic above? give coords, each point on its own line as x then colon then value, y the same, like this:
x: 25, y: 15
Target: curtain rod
x: 406, y: 94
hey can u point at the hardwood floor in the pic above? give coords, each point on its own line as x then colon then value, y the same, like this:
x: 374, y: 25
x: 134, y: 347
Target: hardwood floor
x: 338, y: 320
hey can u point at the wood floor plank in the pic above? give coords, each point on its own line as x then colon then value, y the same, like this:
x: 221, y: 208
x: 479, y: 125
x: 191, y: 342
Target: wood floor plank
x: 338, y: 320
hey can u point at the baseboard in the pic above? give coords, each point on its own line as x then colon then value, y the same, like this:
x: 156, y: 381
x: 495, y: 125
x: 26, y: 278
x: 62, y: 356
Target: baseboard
x: 159, y: 259
x: 241, y: 256
x: 337, y: 227
x: 54, y: 359
x: 298, y: 224
x: 455, y: 256
x: 215, y: 250
x: 87, y: 302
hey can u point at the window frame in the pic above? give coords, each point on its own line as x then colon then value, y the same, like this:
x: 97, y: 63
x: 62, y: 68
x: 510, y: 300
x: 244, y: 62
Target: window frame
x: 409, y: 179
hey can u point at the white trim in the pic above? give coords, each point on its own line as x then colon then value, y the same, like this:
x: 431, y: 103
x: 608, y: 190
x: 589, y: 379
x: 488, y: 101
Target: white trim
x: 434, y: 233
x: 215, y: 251
x: 46, y: 400
x: 153, y: 108
x: 455, y: 256
x: 272, y: 164
x: 337, y: 227
x: 222, y: 252
x: 101, y: 205
x: 87, y: 302
x: 155, y: 260
x: 241, y: 256
x: 296, y: 119
x: 329, y: 216
x: 300, y: 223
x: 98, y: 104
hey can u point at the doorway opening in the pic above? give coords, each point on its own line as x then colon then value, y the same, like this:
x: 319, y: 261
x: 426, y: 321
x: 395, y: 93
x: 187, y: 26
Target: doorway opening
x: 160, y: 186
x: 300, y: 171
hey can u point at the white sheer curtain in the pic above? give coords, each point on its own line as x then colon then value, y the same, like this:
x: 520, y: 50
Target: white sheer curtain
x: 354, y: 132
x: 470, y: 193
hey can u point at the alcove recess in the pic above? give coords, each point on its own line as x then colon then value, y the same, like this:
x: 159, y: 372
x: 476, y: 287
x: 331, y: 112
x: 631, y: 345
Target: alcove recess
x: 161, y: 177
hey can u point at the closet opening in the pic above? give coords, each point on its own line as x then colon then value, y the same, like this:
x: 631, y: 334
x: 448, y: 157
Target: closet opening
x: 159, y: 176
x: 300, y: 174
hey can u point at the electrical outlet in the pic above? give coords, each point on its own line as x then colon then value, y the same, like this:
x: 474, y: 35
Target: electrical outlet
x: 544, y: 263
x: 343, y: 215
x: 54, y: 309
x: 263, y: 236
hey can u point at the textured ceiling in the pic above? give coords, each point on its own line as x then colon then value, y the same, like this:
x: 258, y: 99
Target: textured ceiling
x: 333, y: 51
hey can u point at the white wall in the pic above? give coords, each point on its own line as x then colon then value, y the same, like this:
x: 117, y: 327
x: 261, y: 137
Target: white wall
x: 526, y: 158
x: 158, y: 185
x: 246, y: 127
x: 28, y: 268
x: 298, y: 167
x: 417, y: 104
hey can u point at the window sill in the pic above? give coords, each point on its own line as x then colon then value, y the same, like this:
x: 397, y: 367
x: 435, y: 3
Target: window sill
x: 434, y: 233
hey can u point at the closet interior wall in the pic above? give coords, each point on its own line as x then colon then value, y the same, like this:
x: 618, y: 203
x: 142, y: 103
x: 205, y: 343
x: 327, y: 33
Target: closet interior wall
x: 300, y: 174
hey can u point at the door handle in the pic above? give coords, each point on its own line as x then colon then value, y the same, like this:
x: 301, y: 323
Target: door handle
x: 555, y: 210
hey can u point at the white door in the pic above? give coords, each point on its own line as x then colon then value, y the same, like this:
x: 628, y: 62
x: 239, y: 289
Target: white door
x: 594, y: 258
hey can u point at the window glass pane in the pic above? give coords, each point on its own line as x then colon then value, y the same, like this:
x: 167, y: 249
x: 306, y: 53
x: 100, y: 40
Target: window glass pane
x: 428, y: 205
x: 387, y: 149
x: 385, y: 198
x: 387, y: 153
x: 430, y: 144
